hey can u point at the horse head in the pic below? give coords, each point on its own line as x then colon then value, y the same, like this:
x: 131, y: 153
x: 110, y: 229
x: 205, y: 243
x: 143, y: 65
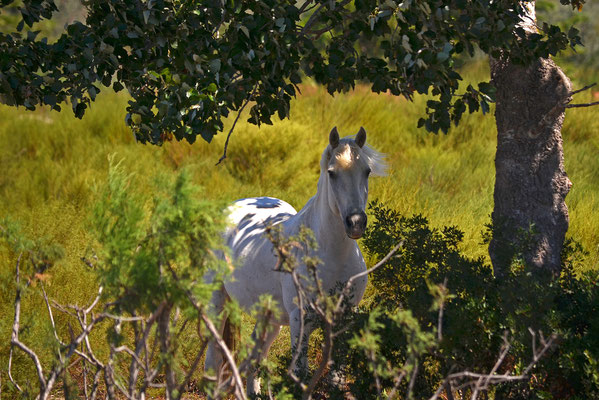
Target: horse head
x: 348, y: 165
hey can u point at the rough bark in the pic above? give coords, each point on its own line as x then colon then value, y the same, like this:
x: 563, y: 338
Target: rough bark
x: 530, y: 215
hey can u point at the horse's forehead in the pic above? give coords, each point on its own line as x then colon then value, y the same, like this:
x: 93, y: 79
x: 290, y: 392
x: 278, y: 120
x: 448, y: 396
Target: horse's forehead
x: 347, y: 157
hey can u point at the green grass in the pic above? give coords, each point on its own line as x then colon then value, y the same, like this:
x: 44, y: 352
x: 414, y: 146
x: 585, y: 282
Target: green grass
x: 51, y: 163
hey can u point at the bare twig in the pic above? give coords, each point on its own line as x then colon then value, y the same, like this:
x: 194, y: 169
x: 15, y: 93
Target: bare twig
x: 84, y: 367
x: 95, y: 384
x: 10, y: 372
x: 223, y: 346
x: 324, y: 362
x: 304, y: 6
x: 194, y: 366
x: 397, y: 381
x: 135, y: 364
x: 448, y: 390
x: 355, y: 277
x: 60, y: 342
x: 298, y: 348
x: 71, y: 348
x: 303, y: 298
x: 95, y: 301
x: 120, y: 318
x: 412, y: 380
x: 142, y: 345
x: 567, y: 102
x: 587, y: 87
x: 481, y: 381
x: 15, y: 331
x: 596, y: 103
x: 538, y: 353
x: 377, y: 379
x: 125, y: 349
x: 245, y: 103
x: 282, y: 256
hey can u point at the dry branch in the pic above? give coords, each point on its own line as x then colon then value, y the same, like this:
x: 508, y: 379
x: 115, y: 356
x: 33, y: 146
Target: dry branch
x: 245, y: 103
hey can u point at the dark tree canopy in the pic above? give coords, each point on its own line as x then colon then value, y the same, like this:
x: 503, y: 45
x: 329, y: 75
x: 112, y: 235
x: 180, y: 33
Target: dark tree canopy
x: 188, y: 64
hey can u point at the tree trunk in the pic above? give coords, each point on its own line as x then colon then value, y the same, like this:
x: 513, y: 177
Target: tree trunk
x: 530, y: 216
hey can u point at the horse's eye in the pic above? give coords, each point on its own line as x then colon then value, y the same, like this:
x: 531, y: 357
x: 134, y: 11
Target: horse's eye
x: 331, y: 173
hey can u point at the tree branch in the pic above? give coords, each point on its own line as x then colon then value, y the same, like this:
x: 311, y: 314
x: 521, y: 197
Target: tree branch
x: 223, y: 346
x: 312, y: 19
x: 302, y: 9
x: 324, y: 362
x: 10, y: 372
x: 596, y: 103
x: 245, y: 103
x: 478, y: 381
x: 306, y: 28
x: 587, y: 87
x: 351, y: 280
x: 14, y: 341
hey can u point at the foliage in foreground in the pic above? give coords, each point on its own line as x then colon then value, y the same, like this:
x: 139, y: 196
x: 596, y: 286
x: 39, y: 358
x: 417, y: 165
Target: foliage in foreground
x: 150, y: 258
x: 437, y: 321
x: 440, y: 322
x: 430, y: 274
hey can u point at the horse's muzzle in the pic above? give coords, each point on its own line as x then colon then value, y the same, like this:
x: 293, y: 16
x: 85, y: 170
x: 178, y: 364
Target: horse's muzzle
x: 355, y: 224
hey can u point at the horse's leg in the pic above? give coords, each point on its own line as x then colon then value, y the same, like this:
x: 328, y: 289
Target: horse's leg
x: 260, y: 351
x: 214, y: 357
x: 300, y: 344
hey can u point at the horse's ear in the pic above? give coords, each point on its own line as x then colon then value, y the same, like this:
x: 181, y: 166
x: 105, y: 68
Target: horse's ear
x: 360, y: 137
x: 334, y: 138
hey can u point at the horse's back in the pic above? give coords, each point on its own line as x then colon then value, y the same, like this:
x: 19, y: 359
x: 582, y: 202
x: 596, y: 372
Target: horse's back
x: 252, y: 252
x: 249, y: 217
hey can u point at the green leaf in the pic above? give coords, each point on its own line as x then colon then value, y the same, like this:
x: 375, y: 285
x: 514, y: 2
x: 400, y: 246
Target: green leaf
x: 212, y: 87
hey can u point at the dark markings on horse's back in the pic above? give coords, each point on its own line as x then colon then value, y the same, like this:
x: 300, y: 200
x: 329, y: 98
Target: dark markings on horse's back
x: 266, y: 202
x: 246, y: 221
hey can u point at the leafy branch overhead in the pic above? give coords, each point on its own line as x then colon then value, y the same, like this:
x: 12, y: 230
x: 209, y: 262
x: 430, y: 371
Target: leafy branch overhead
x: 188, y: 64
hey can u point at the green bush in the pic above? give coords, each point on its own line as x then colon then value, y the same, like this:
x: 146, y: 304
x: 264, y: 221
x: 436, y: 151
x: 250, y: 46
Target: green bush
x: 401, y: 325
x: 150, y: 257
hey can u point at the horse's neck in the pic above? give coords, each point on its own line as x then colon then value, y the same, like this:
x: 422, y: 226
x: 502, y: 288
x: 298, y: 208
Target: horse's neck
x: 327, y: 227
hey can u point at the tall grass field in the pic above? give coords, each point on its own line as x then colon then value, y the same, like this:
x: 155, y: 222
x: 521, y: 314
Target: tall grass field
x: 51, y: 165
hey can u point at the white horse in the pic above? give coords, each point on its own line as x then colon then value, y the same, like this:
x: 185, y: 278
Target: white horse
x: 336, y: 217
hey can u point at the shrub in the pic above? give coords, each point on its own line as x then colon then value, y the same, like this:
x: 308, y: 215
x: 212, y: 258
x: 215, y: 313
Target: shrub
x: 431, y: 288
